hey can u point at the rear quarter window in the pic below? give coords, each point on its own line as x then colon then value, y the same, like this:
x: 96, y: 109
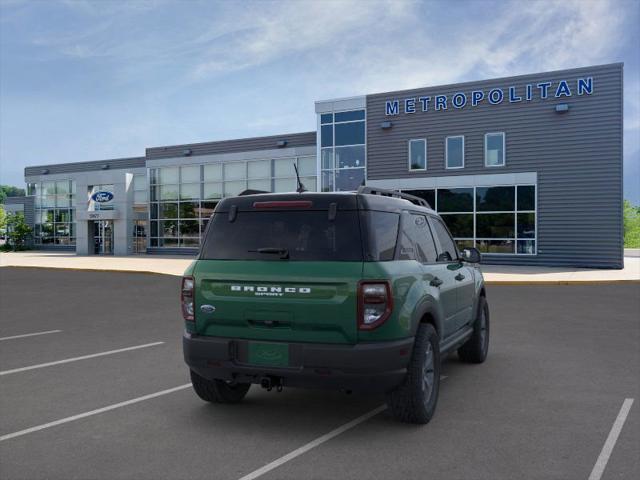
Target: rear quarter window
x: 381, y: 234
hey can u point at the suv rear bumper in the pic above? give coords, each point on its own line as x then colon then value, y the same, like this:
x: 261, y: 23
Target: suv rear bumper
x: 379, y: 366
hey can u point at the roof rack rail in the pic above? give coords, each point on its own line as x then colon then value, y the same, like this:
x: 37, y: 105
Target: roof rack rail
x: 394, y: 193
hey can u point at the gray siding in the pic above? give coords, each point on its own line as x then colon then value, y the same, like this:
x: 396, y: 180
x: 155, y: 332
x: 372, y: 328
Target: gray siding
x: 577, y: 156
x: 231, y: 146
x: 97, y: 165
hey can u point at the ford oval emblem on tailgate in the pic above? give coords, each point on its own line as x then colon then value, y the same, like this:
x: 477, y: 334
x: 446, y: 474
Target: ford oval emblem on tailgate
x: 207, y: 308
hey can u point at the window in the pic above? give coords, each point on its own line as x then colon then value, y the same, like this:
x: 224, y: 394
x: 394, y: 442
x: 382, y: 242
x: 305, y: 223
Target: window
x: 140, y: 189
x: 494, y: 146
x: 342, y: 150
x: 139, y: 244
x: 418, y: 154
x: 447, y: 251
x: 428, y: 195
x: 54, y: 222
x: 495, y: 199
x: 454, y: 149
x: 182, y: 199
x: 496, y: 220
x: 305, y: 235
x: 455, y: 200
x: 526, y: 220
x: 425, y: 246
x: 455, y: 206
x: 382, y: 228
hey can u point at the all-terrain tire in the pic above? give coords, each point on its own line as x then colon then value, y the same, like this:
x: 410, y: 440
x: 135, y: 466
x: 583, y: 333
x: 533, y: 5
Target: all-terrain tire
x: 475, y: 349
x: 414, y: 401
x: 218, y: 391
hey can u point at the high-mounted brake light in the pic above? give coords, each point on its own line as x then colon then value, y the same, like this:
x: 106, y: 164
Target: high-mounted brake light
x: 187, y: 298
x: 375, y: 304
x: 284, y: 204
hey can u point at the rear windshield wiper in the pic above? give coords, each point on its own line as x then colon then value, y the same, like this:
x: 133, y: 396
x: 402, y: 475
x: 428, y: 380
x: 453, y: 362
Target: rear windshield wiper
x: 283, y: 252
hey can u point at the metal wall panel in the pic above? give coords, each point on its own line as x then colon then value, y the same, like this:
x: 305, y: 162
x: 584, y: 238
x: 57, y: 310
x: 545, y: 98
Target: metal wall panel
x: 230, y: 146
x: 97, y: 165
x: 577, y: 156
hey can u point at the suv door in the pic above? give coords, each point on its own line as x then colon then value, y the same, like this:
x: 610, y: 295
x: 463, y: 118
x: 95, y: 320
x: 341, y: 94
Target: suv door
x: 437, y: 278
x: 462, y: 276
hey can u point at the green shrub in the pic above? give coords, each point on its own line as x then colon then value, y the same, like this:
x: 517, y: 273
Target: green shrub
x: 631, y: 225
x: 17, y: 231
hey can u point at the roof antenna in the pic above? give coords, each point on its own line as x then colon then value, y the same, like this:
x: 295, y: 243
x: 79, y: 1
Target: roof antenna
x: 300, y: 188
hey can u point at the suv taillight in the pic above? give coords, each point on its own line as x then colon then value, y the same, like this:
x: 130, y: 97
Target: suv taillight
x: 375, y: 304
x: 186, y: 298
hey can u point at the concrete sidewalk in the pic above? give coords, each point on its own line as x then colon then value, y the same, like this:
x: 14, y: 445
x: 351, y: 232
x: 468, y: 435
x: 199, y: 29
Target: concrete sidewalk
x: 168, y: 265
x: 175, y: 265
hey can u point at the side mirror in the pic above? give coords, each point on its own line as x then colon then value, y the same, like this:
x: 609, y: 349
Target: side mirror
x: 471, y: 255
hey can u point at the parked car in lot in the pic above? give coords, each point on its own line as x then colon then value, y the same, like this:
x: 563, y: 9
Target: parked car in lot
x: 361, y: 291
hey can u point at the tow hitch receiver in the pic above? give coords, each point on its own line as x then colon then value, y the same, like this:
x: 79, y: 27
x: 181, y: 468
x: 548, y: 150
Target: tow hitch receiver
x: 271, y: 382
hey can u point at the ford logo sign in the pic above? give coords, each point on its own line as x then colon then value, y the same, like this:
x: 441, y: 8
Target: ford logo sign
x: 102, y: 197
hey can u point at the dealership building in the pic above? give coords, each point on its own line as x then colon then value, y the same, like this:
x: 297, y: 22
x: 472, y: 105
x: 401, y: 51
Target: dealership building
x: 527, y: 169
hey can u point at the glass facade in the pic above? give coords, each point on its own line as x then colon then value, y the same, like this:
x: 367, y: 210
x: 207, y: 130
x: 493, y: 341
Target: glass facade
x: 54, y: 212
x: 140, y: 208
x: 183, y: 198
x: 495, y: 220
x: 342, y: 150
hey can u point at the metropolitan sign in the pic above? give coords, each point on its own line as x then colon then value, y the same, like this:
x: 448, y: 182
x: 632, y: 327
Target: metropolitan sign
x: 494, y: 96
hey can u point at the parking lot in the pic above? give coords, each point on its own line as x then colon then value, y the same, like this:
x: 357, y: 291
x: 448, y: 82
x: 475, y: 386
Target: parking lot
x: 101, y: 391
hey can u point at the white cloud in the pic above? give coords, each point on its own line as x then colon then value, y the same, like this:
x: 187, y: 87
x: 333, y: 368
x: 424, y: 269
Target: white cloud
x: 269, y: 32
x: 295, y: 52
x: 525, y: 38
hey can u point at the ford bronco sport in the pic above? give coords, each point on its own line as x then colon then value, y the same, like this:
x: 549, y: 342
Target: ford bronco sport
x: 358, y: 291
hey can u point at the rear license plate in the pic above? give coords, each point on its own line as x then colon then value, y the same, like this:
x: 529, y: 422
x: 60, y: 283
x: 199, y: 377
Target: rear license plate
x: 269, y: 354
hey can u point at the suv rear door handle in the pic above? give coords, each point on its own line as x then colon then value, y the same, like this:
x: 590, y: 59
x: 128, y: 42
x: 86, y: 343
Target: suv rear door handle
x: 459, y: 277
x: 436, y: 282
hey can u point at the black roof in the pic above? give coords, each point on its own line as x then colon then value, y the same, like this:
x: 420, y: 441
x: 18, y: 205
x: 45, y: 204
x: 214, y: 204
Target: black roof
x: 320, y: 201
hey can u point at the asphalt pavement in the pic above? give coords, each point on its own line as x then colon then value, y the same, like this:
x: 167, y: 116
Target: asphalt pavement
x: 101, y: 392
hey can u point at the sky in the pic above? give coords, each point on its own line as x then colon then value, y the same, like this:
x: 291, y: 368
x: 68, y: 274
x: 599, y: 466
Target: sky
x: 88, y: 80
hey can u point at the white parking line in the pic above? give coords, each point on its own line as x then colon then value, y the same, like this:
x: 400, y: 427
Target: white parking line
x: 75, y: 359
x: 601, y: 463
x: 314, y: 443
x: 29, y: 335
x: 92, y: 412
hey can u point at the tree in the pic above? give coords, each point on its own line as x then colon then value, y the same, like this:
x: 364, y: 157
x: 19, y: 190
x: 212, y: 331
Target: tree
x: 9, y: 191
x: 631, y: 225
x: 3, y: 219
x: 17, y: 231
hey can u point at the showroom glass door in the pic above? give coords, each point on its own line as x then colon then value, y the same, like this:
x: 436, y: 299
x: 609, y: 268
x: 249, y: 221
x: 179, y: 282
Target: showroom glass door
x: 103, y: 237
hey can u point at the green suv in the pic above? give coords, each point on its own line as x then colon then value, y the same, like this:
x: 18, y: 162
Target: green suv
x: 358, y: 291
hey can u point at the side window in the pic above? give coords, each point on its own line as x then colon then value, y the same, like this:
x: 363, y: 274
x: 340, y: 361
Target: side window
x: 447, y: 251
x: 382, y: 228
x: 407, y: 250
x: 416, y: 241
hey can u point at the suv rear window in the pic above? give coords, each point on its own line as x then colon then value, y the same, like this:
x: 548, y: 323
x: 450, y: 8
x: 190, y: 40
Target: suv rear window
x: 304, y: 235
